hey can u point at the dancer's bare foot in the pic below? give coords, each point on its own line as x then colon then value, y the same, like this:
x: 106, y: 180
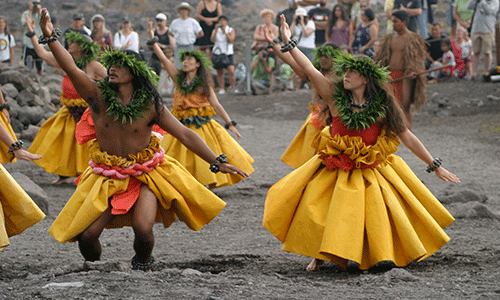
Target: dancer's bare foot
x: 62, y: 180
x: 314, y: 265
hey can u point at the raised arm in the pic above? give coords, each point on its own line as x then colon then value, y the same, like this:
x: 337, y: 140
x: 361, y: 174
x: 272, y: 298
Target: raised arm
x: 40, y: 51
x: 165, y: 62
x: 322, y: 84
x: 222, y: 112
x: 84, y: 86
x: 416, y: 146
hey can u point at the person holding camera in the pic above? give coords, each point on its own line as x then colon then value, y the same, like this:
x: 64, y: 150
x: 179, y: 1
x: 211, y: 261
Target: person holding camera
x: 34, y: 8
x: 222, y: 55
x: 304, y: 32
x: 262, y: 72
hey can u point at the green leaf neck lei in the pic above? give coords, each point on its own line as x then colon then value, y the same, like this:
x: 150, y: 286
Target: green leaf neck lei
x: 362, y: 119
x: 185, y: 88
x: 83, y: 61
x: 130, y: 112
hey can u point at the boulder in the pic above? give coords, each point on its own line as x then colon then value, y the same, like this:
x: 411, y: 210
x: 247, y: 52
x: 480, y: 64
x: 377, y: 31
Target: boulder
x: 29, y: 133
x: 53, y: 78
x: 15, y: 108
x: 463, y: 193
x: 44, y: 95
x: 33, y: 190
x: 473, y: 210
x: 9, y: 90
x: 17, y: 125
x: 34, y: 114
x: 25, y: 98
x: 19, y: 80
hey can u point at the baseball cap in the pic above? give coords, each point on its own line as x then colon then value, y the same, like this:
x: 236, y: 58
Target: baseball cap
x: 300, y: 12
x: 78, y: 16
x: 161, y: 16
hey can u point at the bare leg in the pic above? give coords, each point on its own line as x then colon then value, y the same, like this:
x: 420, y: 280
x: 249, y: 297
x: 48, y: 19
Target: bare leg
x: 232, y: 78
x: 143, y: 219
x: 88, y: 240
x: 406, y: 100
x: 475, y: 63
x: 220, y: 78
x: 488, y: 60
x: 314, y: 265
x: 61, y: 180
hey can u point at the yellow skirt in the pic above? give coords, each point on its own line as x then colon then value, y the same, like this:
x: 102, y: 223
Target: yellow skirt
x: 56, y: 143
x: 301, y: 150
x: 219, y: 141
x: 17, y: 211
x: 382, y: 213
x: 4, y: 156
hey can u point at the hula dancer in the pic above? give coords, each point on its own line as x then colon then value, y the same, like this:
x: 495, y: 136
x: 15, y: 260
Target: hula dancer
x: 55, y: 141
x: 130, y: 180
x: 355, y: 200
x: 194, y: 104
x: 5, y: 155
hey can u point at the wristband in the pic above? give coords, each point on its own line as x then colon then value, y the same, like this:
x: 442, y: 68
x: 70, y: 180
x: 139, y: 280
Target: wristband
x: 152, y: 41
x: 56, y: 33
x: 292, y: 43
x: 435, y: 164
x: 221, y: 159
x: 30, y: 34
x: 230, y: 123
x: 5, y: 106
x: 15, y: 146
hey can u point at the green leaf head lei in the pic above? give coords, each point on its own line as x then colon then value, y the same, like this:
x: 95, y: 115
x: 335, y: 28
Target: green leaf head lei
x: 136, y: 67
x: 200, y: 57
x: 90, y: 49
x: 197, y: 81
x: 363, y: 65
x: 325, y: 50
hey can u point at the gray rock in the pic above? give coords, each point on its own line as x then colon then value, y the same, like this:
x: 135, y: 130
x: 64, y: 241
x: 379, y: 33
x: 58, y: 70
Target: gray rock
x: 9, y: 90
x: 25, y: 97
x: 473, y: 210
x: 463, y: 193
x: 396, y: 275
x: 53, y: 78
x: 29, y: 133
x: 54, y: 99
x: 49, y: 108
x: 19, y: 80
x: 191, y: 272
x: 106, y: 266
x: 34, y: 114
x: 33, y: 190
x: 64, y: 285
x: 54, y: 88
x: 15, y: 109
x: 44, y: 95
x: 493, y: 98
x: 17, y: 125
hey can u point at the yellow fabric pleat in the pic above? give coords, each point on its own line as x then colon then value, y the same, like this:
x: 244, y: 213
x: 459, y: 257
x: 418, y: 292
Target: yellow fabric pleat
x: 364, y: 215
x: 56, y: 143
x: 219, y: 141
x: 179, y: 194
x: 17, y: 211
x: 300, y: 150
x: 4, y: 156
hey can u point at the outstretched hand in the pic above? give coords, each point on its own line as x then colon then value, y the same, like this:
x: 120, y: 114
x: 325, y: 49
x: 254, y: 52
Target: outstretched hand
x: 25, y: 155
x: 45, y: 23
x: 285, y: 29
x: 446, y: 175
x: 30, y: 23
x: 151, y: 31
x: 235, y: 131
x: 230, y: 169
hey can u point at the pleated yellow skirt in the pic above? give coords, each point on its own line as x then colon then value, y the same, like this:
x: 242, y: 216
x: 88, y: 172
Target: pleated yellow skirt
x: 17, y: 211
x: 382, y: 213
x: 219, y: 141
x: 56, y: 143
x: 178, y: 193
x: 4, y: 156
x: 301, y: 150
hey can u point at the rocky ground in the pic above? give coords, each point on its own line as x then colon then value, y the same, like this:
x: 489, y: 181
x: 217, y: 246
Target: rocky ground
x: 234, y: 257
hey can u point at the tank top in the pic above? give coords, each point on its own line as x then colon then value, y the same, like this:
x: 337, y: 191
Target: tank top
x: 207, y: 30
x: 340, y: 35
x: 368, y: 135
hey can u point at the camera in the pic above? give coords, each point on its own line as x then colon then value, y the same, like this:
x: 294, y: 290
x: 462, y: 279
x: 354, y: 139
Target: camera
x: 265, y: 54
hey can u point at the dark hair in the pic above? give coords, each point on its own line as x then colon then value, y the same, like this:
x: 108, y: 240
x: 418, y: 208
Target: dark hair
x: 436, y: 24
x: 330, y: 44
x: 222, y: 17
x: 446, y: 42
x: 6, y: 30
x: 333, y: 19
x: 207, y: 80
x: 369, y: 14
x: 401, y: 14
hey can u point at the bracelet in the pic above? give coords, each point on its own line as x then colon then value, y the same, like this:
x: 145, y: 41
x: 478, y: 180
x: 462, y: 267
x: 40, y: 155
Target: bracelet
x: 56, y: 33
x: 435, y: 164
x: 30, y: 34
x: 152, y: 41
x: 292, y: 43
x: 221, y: 159
x: 230, y: 123
x: 5, y: 106
x: 15, y: 146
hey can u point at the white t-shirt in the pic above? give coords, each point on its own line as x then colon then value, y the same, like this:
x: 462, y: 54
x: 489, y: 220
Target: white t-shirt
x: 466, y: 48
x: 305, y: 41
x: 185, y: 31
x: 121, y: 40
x: 221, y: 42
x: 6, y: 42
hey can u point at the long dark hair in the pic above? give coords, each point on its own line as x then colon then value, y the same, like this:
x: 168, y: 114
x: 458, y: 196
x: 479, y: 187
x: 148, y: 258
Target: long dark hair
x: 207, y: 82
x: 6, y: 30
x: 333, y: 19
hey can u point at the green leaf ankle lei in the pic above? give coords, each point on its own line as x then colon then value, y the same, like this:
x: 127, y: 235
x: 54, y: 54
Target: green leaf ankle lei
x: 185, y: 88
x: 129, y: 112
x: 362, y: 119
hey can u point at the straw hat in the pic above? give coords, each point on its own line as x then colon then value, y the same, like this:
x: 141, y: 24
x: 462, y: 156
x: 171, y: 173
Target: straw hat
x: 184, y: 5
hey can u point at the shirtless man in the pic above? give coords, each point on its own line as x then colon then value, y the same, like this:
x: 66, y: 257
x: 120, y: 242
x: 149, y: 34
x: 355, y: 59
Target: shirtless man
x: 404, y: 53
x: 120, y: 137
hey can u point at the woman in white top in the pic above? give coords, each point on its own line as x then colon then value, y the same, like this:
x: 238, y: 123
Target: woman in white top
x: 304, y: 30
x: 126, y: 38
x: 223, y: 39
x: 7, y: 43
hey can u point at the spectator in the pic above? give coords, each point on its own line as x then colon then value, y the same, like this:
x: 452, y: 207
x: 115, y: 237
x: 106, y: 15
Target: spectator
x: 366, y: 34
x: 448, y: 59
x: 319, y: 16
x: 338, y: 30
x: 412, y: 8
x: 29, y: 53
x: 347, y: 5
x: 185, y: 31
x: 450, y: 19
x: 462, y: 14
x: 462, y: 49
x: 77, y: 25
x: 126, y: 38
x: 356, y: 12
x: 304, y: 32
x: 483, y: 31
x: 262, y: 71
x: 207, y: 13
x: 288, y: 13
x: 258, y: 35
x: 164, y: 40
x: 166, y: 85
x: 426, y: 17
x: 7, y: 43
x: 434, y: 52
x: 223, y: 38
x: 388, y: 5
x: 100, y: 34
x: 306, y: 4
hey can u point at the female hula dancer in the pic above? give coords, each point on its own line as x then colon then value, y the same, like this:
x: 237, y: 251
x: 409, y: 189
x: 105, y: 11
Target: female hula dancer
x: 5, y: 155
x: 300, y: 150
x: 17, y: 211
x: 194, y: 104
x: 355, y: 200
x: 61, y: 154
